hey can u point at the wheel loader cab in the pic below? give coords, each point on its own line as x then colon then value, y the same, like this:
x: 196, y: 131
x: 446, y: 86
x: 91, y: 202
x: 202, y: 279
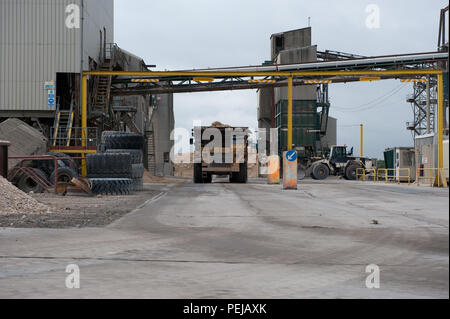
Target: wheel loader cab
x: 338, y: 154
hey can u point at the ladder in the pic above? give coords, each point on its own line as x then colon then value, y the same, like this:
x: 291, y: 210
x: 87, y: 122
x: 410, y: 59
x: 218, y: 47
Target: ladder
x: 63, y: 126
x: 151, y: 153
x: 101, y: 97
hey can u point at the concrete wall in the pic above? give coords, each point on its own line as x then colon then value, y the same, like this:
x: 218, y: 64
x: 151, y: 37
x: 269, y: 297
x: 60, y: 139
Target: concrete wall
x: 35, y: 44
x: 163, y: 123
x: 330, y: 139
x: 291, y: 39
x: 297, y: 55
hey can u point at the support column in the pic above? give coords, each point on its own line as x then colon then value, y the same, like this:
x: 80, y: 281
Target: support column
x: 440, y: 120
x: 290, y: 107
x: 84, y: 122
x: 362, y: 140
x: 428, y: 106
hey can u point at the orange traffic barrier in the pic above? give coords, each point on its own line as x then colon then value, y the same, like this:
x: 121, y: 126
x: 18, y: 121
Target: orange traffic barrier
x: 273, y: 169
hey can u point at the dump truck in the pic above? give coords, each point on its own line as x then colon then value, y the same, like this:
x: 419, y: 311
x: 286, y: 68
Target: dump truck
x: 220, y: 150
x: 340, y: 163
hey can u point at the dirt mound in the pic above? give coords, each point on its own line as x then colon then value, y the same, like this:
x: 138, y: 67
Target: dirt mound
x: 149, y: 178
x: 14, y: 201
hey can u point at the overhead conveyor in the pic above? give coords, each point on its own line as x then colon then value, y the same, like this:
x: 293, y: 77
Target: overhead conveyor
x: 255, y: 77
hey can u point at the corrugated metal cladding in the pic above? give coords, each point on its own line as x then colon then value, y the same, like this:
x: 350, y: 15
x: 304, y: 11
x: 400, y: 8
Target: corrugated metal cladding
x: 34, y: 44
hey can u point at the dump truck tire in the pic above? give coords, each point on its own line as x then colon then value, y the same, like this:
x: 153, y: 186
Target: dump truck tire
x: 109, y: 165
x: 28, y: 185
x: 320, y: 172
x: 122, y: 140
x: 137, y: 170
x: 243, y: 173
x: 65, y: 175
x: 136, y: 155
x: 208, y: 179
x: 350, y: 172
x: 111, y: 186
x: 198, y: 179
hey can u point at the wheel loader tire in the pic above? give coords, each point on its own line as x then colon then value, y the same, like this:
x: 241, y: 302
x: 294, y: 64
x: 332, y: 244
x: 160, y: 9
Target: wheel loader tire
x: 136, y: 155
x: 28, y: 185
x: 109, y: 165
x: 65, y: 175
x: 122, y: 140
x: 111, y: 186
x: 350, y: 172
x: 198, y: 179
x: 320, y: 172
x: 137, y: 171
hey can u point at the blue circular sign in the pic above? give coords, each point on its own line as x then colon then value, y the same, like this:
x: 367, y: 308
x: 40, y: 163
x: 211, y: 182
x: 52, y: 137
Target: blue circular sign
x: 291, y: 156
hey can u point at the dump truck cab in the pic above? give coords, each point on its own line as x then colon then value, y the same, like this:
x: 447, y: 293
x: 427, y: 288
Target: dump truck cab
x: 220, y: 150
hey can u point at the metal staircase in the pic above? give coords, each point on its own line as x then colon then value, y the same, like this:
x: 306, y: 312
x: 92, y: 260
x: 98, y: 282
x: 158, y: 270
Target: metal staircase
x: 63, y: 126
x: 102, y: 90
x: 151, y: 152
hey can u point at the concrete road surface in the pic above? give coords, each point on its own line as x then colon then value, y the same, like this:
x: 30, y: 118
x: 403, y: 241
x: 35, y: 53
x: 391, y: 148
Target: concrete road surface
x: 245, y: 241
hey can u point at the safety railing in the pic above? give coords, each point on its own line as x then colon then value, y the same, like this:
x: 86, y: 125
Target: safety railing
x: 432, y: 176
x: 87, y: 137
x: 398, y: 175
x: 363, y: 174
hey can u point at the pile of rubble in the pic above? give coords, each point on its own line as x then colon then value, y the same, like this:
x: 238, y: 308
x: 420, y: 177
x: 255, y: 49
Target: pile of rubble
x: 14, y: 201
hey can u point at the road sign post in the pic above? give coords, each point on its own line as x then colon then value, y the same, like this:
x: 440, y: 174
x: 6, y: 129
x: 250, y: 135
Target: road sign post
x: 290, y: 169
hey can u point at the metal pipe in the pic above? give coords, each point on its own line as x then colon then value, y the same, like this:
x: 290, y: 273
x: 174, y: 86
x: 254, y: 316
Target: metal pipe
x: 349, y: 62
x: 157, y: 74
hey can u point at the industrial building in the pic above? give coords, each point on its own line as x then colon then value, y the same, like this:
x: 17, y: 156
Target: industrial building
x: 314, y: 131
x: 45, y: 46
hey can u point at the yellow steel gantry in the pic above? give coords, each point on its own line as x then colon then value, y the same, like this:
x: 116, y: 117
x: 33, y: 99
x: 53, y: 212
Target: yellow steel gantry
x: 289, y: 75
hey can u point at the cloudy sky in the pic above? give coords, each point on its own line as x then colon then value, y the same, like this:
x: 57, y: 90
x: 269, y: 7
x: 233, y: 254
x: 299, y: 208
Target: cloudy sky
x: 181, y: 34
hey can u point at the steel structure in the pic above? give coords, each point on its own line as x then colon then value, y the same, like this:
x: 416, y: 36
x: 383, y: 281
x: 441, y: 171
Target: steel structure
x: 231, y: 79
x: 375, y: 68
x: 423, y: 102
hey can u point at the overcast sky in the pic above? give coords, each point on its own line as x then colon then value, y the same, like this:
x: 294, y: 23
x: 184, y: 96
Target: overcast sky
x: 181, y: 34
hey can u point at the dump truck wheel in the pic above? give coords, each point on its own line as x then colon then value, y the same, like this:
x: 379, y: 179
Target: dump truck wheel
x: 320, y: 172
x: 136, y: 155
x: 350, y: 172
x: 243, y: 173
x: 122, y: 140
x: 28, y: 185
x: 208, y: 179
x: 65, y: 175
x: 198, y: 179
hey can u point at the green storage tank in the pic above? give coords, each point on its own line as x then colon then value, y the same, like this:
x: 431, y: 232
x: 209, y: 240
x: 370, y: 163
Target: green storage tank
x: 304, y: 120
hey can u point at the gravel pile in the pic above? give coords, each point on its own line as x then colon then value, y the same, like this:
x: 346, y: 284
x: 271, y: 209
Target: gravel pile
x: 14, y: 201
